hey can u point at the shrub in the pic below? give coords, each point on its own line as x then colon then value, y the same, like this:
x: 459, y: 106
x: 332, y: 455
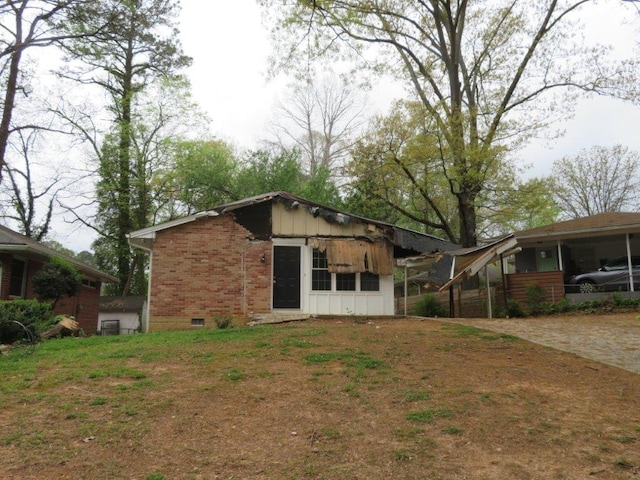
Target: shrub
x: 32, y: 314
x: 223, y: 321
x: 428, y: 306
x: 514, y: 310
x: 57, y: 278
x: 535, y: 298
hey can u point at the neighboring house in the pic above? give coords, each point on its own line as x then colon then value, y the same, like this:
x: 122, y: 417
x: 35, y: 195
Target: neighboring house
x: 21, y: 257
x: 272, y: 254
x: 121, y: 315
x: 552, y: 254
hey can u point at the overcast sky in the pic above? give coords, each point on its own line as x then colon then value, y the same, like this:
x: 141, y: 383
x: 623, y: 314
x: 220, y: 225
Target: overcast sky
x: 230, y: 48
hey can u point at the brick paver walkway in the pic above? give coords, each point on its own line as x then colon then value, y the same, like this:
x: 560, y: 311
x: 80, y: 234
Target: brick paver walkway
x: 614, y: 339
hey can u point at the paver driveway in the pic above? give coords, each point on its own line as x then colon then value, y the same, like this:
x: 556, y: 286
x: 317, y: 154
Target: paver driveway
x: 611, y: 339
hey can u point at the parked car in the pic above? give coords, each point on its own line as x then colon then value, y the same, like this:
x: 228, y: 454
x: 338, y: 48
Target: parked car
x: 613, y: 276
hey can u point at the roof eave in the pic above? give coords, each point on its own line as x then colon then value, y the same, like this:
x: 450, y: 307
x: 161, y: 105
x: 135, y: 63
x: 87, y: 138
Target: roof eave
x: 579, y: 233
x: 145, y: 237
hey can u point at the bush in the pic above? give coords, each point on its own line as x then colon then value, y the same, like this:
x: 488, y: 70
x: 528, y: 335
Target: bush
x: 57, y: 278
x: 223, y: 321
x: 428, y: 306
x: 32, y: 314
x: 514, y: 310
x: 536, y: 296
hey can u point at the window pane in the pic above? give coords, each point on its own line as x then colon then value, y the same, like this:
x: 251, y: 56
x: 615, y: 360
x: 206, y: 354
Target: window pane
x: 320, y: 276
x: 320, y: 280
x: 346, y: 281
x: 17, y: 278
x: 369, y: 282
x: 319, y: 259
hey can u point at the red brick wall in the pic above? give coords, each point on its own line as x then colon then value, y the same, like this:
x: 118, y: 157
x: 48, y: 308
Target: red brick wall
x: 6, y: 276
x: 84, y: 306
x: 206, y: 268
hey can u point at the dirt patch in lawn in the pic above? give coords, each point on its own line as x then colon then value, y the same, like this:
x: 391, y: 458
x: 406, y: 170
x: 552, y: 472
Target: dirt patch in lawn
x: 321, y: 399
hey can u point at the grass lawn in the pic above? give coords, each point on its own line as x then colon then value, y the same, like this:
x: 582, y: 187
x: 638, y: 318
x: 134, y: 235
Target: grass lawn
x: 322, y: 399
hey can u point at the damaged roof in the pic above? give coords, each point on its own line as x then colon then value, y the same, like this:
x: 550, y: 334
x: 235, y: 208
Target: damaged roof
x: 406, y: 242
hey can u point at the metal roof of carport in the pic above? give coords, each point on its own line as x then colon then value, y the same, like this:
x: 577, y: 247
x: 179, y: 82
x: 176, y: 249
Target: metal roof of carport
x: 451, y: 267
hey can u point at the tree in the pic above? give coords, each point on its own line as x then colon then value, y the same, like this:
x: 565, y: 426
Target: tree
x: 26, y: 24
x: 56, y: 279
x: 482, y: 71
x: 268, y: 171
x: 320, y: 118
x: 518, y: 205
x: 202, y: 175
x: 24, y: 197
x: 138, y: 46
x: 597, y: 180
x: 398, y: 169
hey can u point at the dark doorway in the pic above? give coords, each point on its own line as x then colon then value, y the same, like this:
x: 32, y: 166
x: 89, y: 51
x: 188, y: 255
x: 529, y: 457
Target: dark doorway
x: 286, y: 277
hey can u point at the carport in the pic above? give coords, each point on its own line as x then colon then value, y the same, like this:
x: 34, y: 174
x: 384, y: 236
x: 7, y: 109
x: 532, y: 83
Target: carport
x: 447, y: 269
x: 550, y: 255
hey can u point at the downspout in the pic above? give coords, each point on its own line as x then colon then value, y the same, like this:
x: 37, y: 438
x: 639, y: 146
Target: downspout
x: 145, y: 329
x: 244, y: 280
x: 629, y: 263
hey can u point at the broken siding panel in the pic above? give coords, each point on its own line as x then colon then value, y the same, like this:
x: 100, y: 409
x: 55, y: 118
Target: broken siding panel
x: 380, y: 258
x: 355, y: 256
x: 299, y: 222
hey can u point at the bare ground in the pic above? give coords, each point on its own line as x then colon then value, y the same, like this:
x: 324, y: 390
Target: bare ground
x: 329, y: 399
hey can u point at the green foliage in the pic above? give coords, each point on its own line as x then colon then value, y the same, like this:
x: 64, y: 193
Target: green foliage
x: 514, y: 310
x: 223, y: 321
x: 144, y: 33
x: 428, y: 306
x: 32, y: 314
x: 57, y: 278
x: 451, y: 161
x: 204, y: 174
x: 536, y: 296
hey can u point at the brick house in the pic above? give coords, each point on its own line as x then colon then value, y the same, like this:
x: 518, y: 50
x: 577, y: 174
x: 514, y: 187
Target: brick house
x: 21, y: 257
x: 272, y: 254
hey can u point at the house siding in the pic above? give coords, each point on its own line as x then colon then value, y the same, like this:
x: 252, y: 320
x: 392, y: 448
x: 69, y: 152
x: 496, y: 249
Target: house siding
x: 551, y: 282
x: 207, y: 268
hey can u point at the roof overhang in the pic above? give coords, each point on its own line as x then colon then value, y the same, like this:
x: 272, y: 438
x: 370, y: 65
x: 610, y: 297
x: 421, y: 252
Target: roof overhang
x: 578, y: 233
x: 145, y: 237
x: 598, y: 225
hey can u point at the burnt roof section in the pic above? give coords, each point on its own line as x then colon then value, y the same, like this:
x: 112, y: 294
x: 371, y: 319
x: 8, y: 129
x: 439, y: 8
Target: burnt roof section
x: 406, y: 242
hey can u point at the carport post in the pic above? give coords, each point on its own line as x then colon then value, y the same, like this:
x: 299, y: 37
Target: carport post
x: 486, y: 276
x: 405, y: 289
x: 560, y: 260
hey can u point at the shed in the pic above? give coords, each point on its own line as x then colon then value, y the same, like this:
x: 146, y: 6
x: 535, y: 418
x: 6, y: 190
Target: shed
x: 121, y: 315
